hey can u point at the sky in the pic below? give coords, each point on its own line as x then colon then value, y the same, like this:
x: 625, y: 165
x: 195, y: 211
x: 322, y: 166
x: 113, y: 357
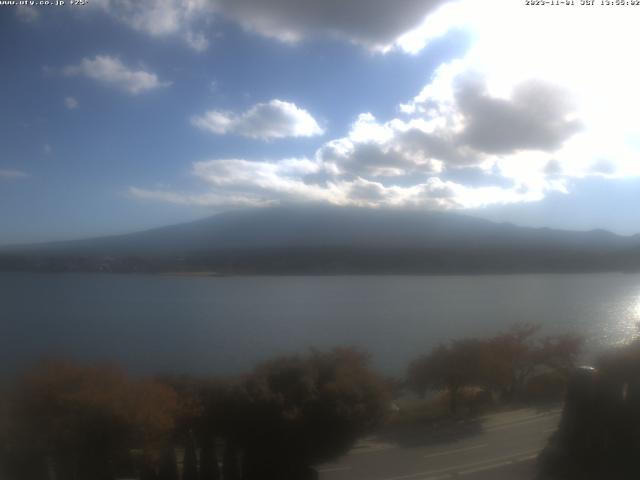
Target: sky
x: 122, y: 115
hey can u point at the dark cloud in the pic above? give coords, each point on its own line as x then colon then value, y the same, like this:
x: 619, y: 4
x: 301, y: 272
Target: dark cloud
x: 374, y: 23
x: 536, y: 117
x: 436, y: 147
x: 363, y: 190
x: 553, y: 167
x: 387, y: 159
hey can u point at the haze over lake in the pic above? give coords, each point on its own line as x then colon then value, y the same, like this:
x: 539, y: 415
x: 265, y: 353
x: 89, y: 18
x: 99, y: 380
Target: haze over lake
x: 226, y: 325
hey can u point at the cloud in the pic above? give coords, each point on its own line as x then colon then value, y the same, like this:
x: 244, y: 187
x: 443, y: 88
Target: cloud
x: 375, y: 165
x: 12, y: 174
x: 47, y: 149
x: 531, y: 110
x: 238, y: 182
x: 264, y: 121
x: 378, y: 25
x: 403, y: 162
x: 372, y: 149
x: 375, y: 24
x: 203, y: 199
x: 27, y: 14
x: 537, y: 116
x: 184, y: 19
x: 507, y: 121
x: 111, y: 71
x: 71, y: 103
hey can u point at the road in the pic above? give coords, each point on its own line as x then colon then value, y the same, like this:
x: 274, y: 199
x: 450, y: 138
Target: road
x: 500, y: 446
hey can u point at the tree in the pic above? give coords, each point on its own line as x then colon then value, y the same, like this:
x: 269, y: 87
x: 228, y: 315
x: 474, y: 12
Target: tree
x: 599, y: 432
x: 296, y: 411
x: 449, y: 366
x: 513, y: 357
x: 230, y: 462
x: 190, y: 462
x: 208, y: 461
x: 560, y: 352
x: 503, y: 363
x: 87, y: 419
x: 168, y: 468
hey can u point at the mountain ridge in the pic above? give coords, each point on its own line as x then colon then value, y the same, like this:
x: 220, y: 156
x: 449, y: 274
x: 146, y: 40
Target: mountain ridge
x: 322, y: 239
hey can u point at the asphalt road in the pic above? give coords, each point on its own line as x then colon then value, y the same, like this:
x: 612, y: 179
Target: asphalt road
x: 500, y: 446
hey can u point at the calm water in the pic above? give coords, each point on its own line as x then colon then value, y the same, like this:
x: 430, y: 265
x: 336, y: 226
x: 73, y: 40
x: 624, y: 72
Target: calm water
x: 226, y: 325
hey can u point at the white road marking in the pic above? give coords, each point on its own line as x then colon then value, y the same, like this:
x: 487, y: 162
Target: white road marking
x: 516, y: 424
x: 484, y: 465
x: 333, y: 469
x: 439, y: 477
x: 514, y: 416
x: 528, y: 457
x: 363, y: 450
x: 458, y: 450
x: 483, y: 468
x: 492, y: 466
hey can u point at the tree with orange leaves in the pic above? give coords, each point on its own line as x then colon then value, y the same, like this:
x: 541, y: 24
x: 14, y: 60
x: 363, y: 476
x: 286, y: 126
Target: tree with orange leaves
x: 85, y: 420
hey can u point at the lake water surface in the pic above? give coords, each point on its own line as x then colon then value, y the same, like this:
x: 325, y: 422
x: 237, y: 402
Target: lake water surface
x: 226, y: 325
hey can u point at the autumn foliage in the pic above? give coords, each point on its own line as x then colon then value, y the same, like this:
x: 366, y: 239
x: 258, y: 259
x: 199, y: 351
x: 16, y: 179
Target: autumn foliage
x: 98, y: 423
x: 503, y: 364
x: 83, y: 421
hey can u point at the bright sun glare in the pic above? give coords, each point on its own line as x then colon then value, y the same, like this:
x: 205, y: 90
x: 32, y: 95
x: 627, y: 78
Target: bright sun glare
x: 586, y: 52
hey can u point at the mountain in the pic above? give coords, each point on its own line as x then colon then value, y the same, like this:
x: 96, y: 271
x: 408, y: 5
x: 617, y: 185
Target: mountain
x: 335, y: 240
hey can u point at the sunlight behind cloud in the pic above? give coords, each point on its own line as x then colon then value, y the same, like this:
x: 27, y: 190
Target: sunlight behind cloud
x: 514, y: 43
x: 533, y: 103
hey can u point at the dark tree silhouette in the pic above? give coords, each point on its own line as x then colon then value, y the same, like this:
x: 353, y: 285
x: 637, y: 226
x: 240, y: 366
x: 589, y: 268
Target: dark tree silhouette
x: 294, y: 412
x: 190, y: 462
x: 599, y: 432
x: 86, y: 420
x: 503, y: 364
x: 450, y: 367
x: 230, y: 462
x: 208, y: 460
x: 168, y: 469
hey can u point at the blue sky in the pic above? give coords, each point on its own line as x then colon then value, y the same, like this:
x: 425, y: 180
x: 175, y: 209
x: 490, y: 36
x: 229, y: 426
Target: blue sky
x: 120, y: 116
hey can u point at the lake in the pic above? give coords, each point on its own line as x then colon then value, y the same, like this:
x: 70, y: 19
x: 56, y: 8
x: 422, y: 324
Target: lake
x: 224, y: 325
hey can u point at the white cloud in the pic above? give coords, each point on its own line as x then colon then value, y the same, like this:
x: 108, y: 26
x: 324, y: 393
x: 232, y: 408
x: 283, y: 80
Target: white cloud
x: 537, y: 102
x: 374, y: 150
x: 238, y: 182
x: 27, y: 13
x: 244, y: 183
x: 265, y: 121
x: 47, y: 149
x: 197, y: 41
x: 12, y: 174
x: 111, y: 71
x: 71, y: 103
x: 184, y: 19
x: 375, y: 165
x: 516, y: 109
x: 203, y: 199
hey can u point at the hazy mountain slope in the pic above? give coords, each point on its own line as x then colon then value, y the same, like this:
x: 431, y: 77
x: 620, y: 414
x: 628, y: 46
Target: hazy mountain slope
x: 314, y: 237
x: 319, y: 226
